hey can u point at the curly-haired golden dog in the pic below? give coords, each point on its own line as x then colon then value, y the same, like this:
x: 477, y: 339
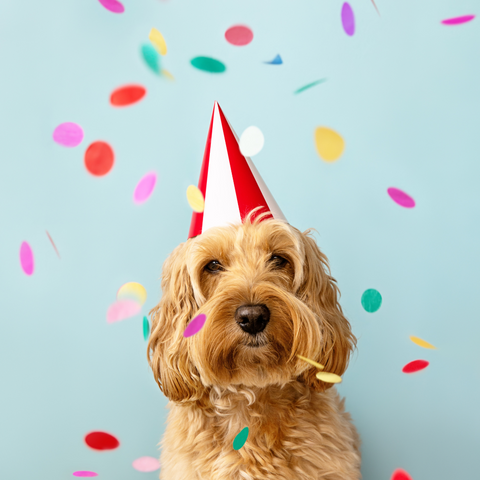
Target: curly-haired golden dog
x: 268, y: 296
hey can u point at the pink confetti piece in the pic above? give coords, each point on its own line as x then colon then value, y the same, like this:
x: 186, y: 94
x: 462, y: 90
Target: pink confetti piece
x: 26, y: 258
x: 53, y: 244
x: 458, y: 20
x: 68, y: 134
x: 239, y: 35
x: 122, y: 309
x: 112, y: 5
x: 401, y: 198
x: 146, y: 464
x: 145, y: 188
x: 400, y: 474
x: 195, y: 325
x: 348, y: 19
x: 415, y: 366
x: 84, y: 473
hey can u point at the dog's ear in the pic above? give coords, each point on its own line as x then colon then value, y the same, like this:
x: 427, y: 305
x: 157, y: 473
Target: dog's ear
x: 168, y: 349
x: 320, y: 292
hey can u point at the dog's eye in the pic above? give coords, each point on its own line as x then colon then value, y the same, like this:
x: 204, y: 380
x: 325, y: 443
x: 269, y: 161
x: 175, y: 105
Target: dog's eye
x: 214, y: 266
x: 277, y: 261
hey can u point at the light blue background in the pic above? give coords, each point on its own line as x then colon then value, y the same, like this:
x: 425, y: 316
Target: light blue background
x: 403, y: 92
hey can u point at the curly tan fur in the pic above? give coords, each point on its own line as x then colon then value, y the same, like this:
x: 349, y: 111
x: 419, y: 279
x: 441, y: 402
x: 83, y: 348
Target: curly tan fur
x: 222, y: 379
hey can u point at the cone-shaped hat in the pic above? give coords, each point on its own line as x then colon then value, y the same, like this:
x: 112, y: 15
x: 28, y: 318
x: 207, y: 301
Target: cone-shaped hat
x: 229, y: 182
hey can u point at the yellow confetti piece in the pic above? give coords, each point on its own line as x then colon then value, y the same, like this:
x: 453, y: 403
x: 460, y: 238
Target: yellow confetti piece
x: 329, y: 377
x: 330, y: 144
x: 158, y: 41
x: 422, y: 343
x: 315, y: 364
x: 195, y: 199
x: 167, y: 74
x: 134, y: 291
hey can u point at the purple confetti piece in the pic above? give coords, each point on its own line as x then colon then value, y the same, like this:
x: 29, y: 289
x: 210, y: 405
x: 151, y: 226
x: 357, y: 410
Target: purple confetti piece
x: 195, y: 325
x: 348, y: 19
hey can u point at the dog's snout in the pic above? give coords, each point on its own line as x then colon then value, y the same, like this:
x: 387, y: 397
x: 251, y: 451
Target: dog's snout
x: 252, y: 318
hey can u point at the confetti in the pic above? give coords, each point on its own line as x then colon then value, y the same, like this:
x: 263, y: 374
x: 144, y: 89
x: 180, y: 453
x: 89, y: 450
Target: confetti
x: 458, y: 20
x: 401, y: 198
x: 158, y: 41
x: 422, y: 343
x: 146, y: 328
x: 415, y: 366
x: 309, y: 85
x: 68, y: 134
x: 101, y: 441
x: 348, y: 19
x: 167, y: 74
x: 122, y: 309
x: 26, y: 258
x: 239, y: 35
x: 53, y: 244
x: 127, y: 95
x: 208, y: 64
x: 400, y: 474
x: 145, y: 188
x: 315, y: 364
x: 251, y: 141
x: 112, y: 5
x: 371, y: 300
x: 146, y: 464
x: 84, y: 473
x: 99, y: 158
x: 375, y: 5
x: 195, y: 199
x: 195, y: 325
x: 150, y: 55
x: 240, y: 439
x: 330, y: 144
x: 276, y: 61
x: 329, y: 377
x: 133, y: 291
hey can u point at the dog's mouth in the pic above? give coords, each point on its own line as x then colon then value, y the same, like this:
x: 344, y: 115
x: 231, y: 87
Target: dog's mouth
x: 256, y: 341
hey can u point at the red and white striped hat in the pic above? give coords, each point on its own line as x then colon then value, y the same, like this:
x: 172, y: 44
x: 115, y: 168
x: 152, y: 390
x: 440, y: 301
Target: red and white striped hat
x: 229, y: 182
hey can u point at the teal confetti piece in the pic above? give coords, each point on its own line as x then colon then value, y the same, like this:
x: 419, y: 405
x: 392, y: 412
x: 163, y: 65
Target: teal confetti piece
x: 310, y: 85
x: 208, y: 64
x: 240, y: 439
x: 146, y: 328
x: 371, y: 300
x: 151, y: 57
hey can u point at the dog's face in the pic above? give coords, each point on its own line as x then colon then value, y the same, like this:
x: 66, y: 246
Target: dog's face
x: 268, y: 297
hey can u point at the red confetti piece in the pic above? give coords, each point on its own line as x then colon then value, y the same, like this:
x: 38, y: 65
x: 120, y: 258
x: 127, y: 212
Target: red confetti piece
x: 400, y: 474
x: 415, y: 366
x: 99, y: 158
x: 127, y: 95
x: 239, y: 35
x: 101, y: 441
x: 53, y: 244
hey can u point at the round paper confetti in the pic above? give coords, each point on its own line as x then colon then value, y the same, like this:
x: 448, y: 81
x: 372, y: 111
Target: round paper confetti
x: 239, y: 35
x: 122, y: 309
x: 371, y: 300
x: 415, y: 366
x: 146, y: 328
x: 329, y: 377
x: 150, y: 55
x: 330, y: 144
x: 158, y: 41
x: 400, y: 474
x: 84, y: 473
x: 240, y: 439
x: 195, y: 325
x: 99, y: 158
x: 195, y: 199
x: 26, y: 258
x: 208, y: 64
x: 68, y: 134
x: 101, y: 441
x: 112, y: 5
x: 133, y: 291
x: 127, y: 95
x: 422, y: 343
x: 401, y: 198
x: 458, y: 20
x: 146, y: 464
x: 348, y: 19
x: 145, y: 188
x: 251, y: 141
x: 311, y: 362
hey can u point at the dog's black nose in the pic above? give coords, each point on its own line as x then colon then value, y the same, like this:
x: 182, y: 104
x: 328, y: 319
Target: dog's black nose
x: 252, y: 318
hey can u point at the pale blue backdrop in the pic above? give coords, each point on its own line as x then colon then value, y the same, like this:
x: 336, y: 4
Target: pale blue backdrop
x: 404, y: 94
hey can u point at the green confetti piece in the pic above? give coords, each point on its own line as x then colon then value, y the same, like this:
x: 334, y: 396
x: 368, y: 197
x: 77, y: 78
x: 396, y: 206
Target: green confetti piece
x: 310, y: 85
x: 146, y: 328
x: 240, y: 439
x: 208, y: 64
x: 151, y: 57
x: 371, y: 300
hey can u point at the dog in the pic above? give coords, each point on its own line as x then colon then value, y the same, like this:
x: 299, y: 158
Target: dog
x: 267, y: 293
